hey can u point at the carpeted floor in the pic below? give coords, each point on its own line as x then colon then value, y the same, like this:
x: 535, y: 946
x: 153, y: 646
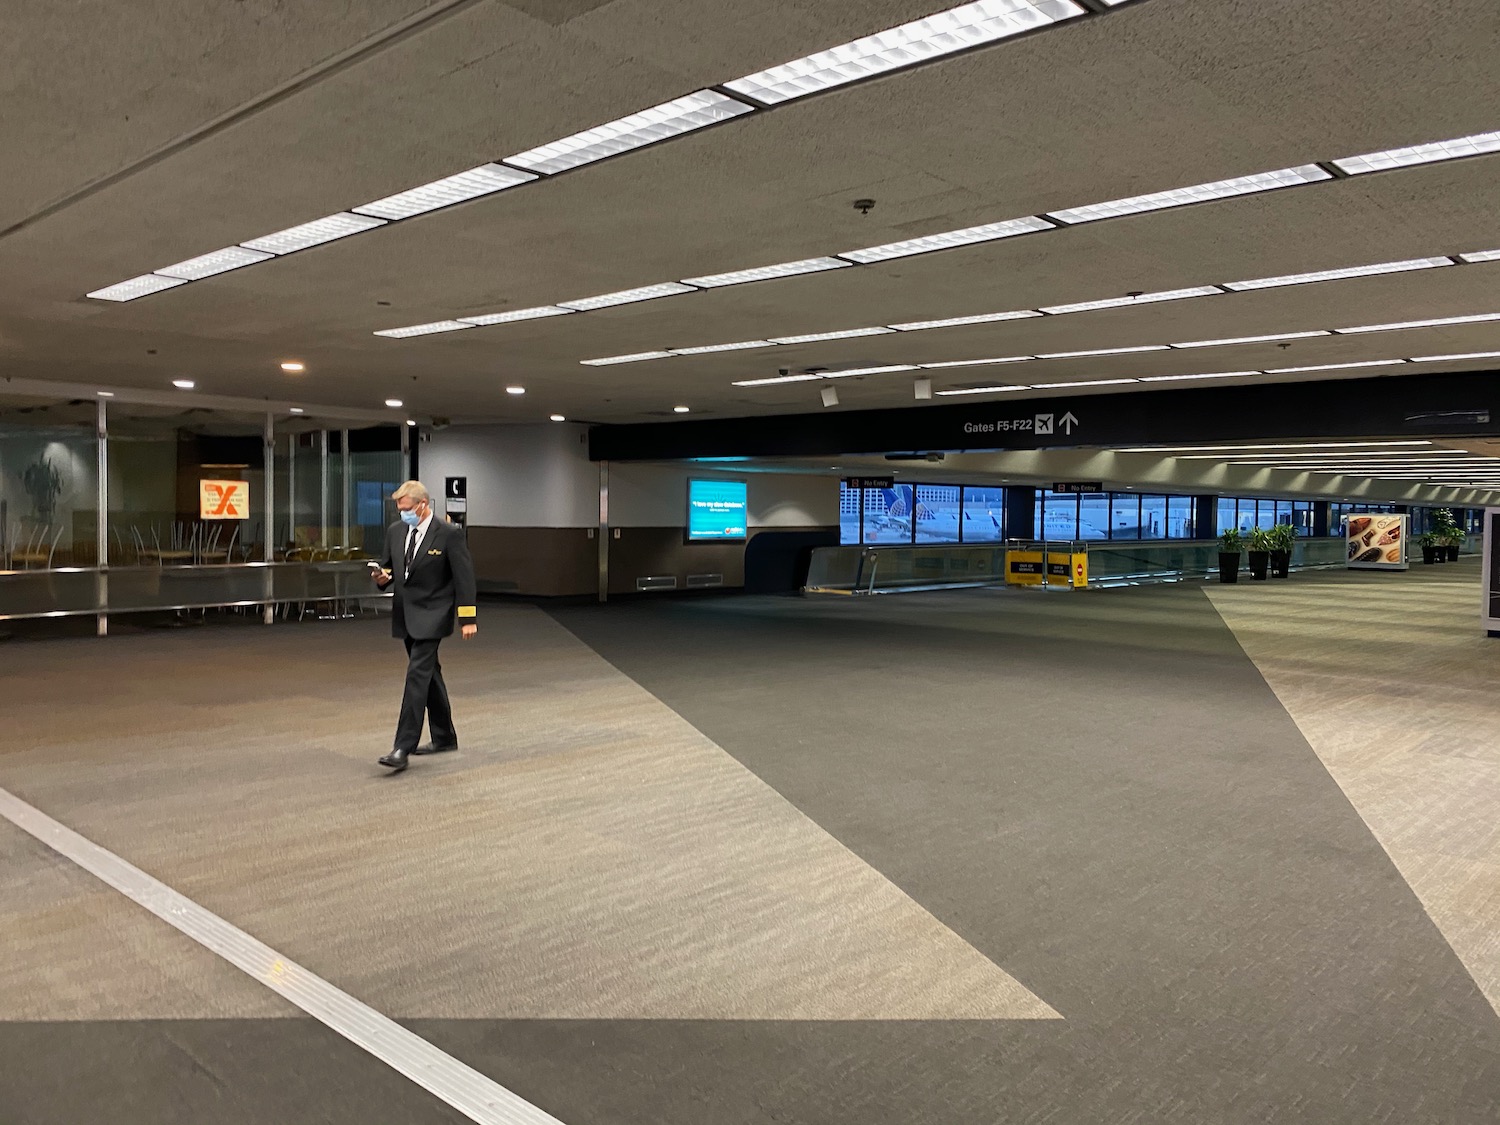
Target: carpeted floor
x: 952, y: 858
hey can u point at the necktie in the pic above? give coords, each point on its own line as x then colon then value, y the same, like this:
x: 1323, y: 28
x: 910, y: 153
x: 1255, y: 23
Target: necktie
x: 411, y: 549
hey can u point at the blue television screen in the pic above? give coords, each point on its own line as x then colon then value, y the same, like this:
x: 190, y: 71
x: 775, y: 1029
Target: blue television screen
x: 716, y: 509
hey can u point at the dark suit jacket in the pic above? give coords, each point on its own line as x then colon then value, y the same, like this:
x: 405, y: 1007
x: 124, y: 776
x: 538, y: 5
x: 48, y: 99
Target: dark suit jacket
x: 441, y: 586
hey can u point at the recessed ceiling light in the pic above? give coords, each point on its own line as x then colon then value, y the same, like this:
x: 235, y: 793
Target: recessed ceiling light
x: 558, y: 418
x: 815, y: 337
x: 1338, y: 275
x: 292, y: 367
x: 411, y: 421
x: 628, y: 296
x: 1454, y: 356
x: 1103, y: 351
x: 765, y: 273
x: 986, y: 390
x: 679, y: 410
x: 670, y: 119
x: 1437, y: 322
x: 1333, y: 366
x: 514, y: 315
x: 218, y: 261
x: 743, y: 345
x: 515, y: 390
x: 778, y: 379
x: 957, y: 321
x: 142, y: 286
x: 393, y: 403
x: 1482, y: 256
x: 1082, y: 383
x: 1198, y: 193
x: 484, y: 180
x: 1206, y: 375
x: 946, y: 240
x: 1142, y: 299
x: 314, y: 233
x: 885, y: 369
x: 1420, y: 154
x: 423, y: 329
x: 183, y: 384
x: 1251, y: 339
x: 297, y: 410
x: 958, y: 29
x: 977, y: 362
x: 633, y: 357
x: 105, y: 394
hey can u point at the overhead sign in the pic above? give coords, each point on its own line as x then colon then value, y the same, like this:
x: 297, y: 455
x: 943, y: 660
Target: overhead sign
x: 456, y: 488
x: 1078, y: 486
x: 224, y: 499
x: 1043, y: 425
x: 870, y: 482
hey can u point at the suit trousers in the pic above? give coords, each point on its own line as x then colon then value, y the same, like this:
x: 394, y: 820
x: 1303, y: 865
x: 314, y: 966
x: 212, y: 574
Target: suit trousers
x: 425, y: 692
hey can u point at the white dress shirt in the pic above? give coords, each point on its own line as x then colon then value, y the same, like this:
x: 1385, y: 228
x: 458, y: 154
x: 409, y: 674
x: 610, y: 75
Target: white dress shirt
x: 420, y: 531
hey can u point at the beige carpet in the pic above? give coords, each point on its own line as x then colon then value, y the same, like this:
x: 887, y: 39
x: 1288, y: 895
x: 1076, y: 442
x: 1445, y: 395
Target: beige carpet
x: 586, y: 855
x: 1392, y: 681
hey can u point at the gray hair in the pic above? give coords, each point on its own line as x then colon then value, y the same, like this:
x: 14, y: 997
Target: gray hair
x: 413, y: 489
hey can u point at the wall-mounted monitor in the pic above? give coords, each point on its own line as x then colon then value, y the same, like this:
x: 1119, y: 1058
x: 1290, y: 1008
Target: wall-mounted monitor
x: 717, y: 510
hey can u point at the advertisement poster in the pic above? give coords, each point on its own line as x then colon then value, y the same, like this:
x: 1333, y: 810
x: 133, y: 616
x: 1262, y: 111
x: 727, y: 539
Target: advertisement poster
x: 1376, y: 542
x: 716, y: 510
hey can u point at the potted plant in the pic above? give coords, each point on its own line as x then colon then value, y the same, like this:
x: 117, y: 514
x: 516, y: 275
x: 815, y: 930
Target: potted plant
x: 1449, y: 536
x: 1283, y: 539
x: 1260, y: 553
x: 1428, y: 541
x: 1230, y: 546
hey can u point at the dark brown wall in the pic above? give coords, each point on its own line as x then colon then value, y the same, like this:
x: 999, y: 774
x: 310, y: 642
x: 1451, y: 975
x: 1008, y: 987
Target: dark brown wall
x: 544, y: 561
x: 649, y: 552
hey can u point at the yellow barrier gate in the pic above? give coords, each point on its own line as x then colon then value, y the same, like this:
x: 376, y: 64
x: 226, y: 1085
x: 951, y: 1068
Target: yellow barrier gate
x: 1039, y: 566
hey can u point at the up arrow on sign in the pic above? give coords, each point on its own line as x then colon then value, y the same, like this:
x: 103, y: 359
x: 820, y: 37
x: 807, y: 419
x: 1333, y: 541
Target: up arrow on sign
x: 1068, y: 421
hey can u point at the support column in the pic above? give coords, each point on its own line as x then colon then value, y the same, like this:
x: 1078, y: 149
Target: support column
x: 604, y: 531
x: 344, y: 476
x: 268, y: 550
x: 406, y: 465
x: 323, y: 483
x: 101, y: 521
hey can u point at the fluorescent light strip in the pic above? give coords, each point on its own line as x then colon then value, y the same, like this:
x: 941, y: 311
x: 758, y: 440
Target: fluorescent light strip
x: 515, y: 315
x: 315, y: 233
x: 816, y: 337
x: 1143, y: 299
x: 766, y: 273
x: 1339, y: 274
x: 1083, y: 383
x: 946, y: 240
x: 958, y: 29
x: 976, y: 362
x: 215, y: 262
x: 1482, y: 256
x: 1252, y: 339
x: 484, y: 180
x: 778, y: 379
x: 1285, y: 445
x: 670, y: 119
x: 1333, y: 366
x: 1207, y: 375
x: 1375, y: 453
x: 957, y: 321
x: 142, y: 286
x: 1437, y: 322
x: 986, y: 390
x: 634, y: 357
x: 1430, y: 153
x: 1198, y: 193
x: 628, y: 296
x: 886, y: 369
x: 742, y: 346
x: 1103, y: 351
x: 423, y: 329
x: 1451, y: 358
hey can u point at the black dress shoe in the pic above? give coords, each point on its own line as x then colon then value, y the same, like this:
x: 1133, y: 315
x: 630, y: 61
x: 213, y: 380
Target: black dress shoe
x: 396, y: 759
x: 434, y: 748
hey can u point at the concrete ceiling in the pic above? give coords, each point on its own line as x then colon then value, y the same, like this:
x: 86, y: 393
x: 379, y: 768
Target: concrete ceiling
x: 136, y: 141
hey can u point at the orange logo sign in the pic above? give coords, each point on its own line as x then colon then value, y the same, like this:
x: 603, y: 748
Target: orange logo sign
x: 224, y: 499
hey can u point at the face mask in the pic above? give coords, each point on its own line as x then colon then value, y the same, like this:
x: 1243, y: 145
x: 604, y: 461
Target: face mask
x: 410, y: 517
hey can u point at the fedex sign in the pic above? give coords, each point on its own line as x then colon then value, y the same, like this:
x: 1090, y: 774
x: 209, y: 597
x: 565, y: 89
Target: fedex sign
x: 224, y: 499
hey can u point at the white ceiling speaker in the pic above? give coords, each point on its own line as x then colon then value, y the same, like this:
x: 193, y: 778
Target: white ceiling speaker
x: 830, y: 396
x: 922, y: 388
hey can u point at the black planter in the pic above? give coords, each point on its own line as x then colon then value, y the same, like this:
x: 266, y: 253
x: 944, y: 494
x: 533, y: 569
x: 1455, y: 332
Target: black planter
x: 1281, y: 564
x: 1260, y: 562
x: 1229, y: 566
x: 1452, y: 553
x: 1429, y: 555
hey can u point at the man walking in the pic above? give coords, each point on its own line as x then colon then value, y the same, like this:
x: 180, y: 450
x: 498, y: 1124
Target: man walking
x: 428, y: 562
